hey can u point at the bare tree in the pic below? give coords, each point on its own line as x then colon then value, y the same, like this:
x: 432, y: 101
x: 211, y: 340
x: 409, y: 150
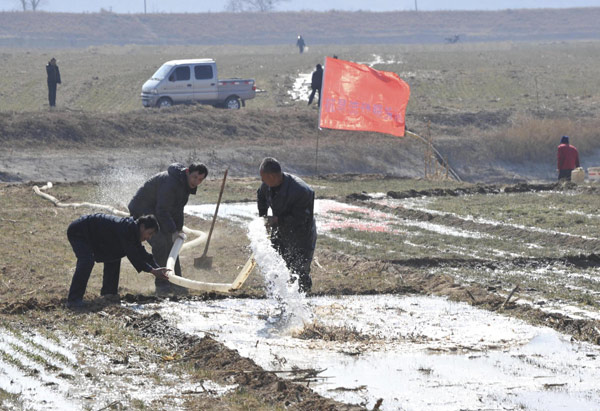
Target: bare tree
x: 252, y: 5
x: 23, y: 4
x: 34, y: 4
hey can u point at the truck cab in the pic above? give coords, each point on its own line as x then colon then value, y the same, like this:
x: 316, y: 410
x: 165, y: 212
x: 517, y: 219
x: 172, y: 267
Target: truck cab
x: 195, y: 80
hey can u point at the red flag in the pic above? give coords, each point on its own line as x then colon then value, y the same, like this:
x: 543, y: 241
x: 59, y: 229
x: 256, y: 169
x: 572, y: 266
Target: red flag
x: 358, y: 97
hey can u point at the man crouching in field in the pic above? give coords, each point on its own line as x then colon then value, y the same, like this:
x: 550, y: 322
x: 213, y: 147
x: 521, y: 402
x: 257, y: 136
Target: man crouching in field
x: 164, y: 195
x: 293, y: 229
x: 106, y: 238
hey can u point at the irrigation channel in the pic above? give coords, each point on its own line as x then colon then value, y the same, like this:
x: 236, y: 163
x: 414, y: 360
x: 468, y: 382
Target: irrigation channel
x: 414, y: 352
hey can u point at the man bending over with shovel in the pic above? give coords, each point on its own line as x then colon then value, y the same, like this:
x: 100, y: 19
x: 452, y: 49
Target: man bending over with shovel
x: 164, y: 195
x: 292, y: 226
x: 106, y: 238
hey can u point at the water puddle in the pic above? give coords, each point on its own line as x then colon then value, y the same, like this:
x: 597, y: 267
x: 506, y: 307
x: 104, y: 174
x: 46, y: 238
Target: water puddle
x: 414, y: 352
x: 332, y: 215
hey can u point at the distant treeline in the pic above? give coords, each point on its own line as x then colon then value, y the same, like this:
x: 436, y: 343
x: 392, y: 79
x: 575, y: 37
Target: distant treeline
x: 41, y: 29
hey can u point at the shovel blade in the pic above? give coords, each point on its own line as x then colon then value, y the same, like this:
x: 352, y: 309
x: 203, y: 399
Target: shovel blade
x: 203, y: 262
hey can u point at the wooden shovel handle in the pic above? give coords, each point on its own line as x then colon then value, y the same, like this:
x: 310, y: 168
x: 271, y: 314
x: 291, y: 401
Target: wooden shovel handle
x: 212, y: 225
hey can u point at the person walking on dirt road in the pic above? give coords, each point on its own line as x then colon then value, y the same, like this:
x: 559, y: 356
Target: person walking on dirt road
x: 106, y: 238
x: 315, y: 84
x: 164, y: 195
x: 53, y: 74
x: 567, y: 158
x: 292, y: 225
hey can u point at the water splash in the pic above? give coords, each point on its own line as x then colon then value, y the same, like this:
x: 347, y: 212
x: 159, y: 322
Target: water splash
x: 118, y: 185
x: 291, y: 307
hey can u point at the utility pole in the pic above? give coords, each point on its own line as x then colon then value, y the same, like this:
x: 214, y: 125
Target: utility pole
x: 145, y: 6
x: 416, y: 8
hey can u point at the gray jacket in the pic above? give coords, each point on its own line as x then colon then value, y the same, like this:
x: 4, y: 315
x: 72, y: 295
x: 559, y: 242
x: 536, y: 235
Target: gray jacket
x: 293, y: 205
x: 164, y: 195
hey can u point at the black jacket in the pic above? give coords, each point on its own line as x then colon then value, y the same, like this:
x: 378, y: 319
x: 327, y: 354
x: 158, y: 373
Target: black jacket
x: 164, y: 195
x: 293, y: 205
x: 112, y: 238
x: 316, y: 80
x: 53, y: 74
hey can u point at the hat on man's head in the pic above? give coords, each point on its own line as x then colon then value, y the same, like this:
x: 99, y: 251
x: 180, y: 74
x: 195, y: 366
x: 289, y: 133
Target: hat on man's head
x: 564, y: 140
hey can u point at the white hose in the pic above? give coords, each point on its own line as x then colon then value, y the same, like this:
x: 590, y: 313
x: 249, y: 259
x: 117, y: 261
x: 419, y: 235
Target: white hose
x: 203, y: 286
x: 57, y: 202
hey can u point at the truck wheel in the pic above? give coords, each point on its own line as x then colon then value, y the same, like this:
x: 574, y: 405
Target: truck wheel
x: 232, y: 103
x: 164, y: 102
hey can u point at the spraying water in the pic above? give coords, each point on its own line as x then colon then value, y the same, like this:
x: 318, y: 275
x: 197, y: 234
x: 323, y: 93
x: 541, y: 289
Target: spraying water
x: 292, y: 311
x: 118, y: 185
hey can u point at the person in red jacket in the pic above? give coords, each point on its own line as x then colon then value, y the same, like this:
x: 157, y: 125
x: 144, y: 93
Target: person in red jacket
x: 568, y: 159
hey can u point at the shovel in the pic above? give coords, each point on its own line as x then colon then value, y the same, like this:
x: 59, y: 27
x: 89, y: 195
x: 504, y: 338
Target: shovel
x: 205, y: 261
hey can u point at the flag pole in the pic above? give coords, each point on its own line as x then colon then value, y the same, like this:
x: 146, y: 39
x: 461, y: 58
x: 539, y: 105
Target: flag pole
x: 317, y: 157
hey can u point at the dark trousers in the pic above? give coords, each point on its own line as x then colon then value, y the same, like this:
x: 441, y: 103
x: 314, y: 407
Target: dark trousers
x: 52, y: 94
x: 83, y: 269
x: 312, y: 96
x: 297, y: 260
x: 564, y: 175
x: 161, y: 247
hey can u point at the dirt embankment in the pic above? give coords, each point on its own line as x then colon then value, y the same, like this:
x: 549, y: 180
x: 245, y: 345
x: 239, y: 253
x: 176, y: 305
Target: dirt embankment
x: 81, y: 30
x: 75, y: 146
x: 68, y: 146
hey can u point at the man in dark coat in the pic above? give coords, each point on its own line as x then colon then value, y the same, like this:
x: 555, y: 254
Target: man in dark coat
x: 53, y: 79
x: 164, y: 195
x: 106, y: 239
x: 292, y: 225
x: 567, y: 159
x: 300, y: 44
x: 315, y: 84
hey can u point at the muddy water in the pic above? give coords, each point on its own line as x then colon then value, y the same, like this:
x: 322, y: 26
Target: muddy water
x: 332, y: 215
x: 414, y: 352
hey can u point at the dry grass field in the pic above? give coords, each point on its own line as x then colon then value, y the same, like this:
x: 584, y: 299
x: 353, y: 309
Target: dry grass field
x: 499, y: 106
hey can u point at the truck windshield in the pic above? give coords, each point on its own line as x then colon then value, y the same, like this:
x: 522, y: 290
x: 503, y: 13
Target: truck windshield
x: 162, y: 72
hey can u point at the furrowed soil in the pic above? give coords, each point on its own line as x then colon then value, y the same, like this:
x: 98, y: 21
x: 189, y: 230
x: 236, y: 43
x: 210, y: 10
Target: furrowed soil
x: 506, y: 239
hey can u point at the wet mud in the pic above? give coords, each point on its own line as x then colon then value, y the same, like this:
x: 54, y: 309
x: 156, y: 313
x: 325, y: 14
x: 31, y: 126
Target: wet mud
x: 476, y: 189
x: 589, y: 246
x: 231, y: 368
x: 412, y: 281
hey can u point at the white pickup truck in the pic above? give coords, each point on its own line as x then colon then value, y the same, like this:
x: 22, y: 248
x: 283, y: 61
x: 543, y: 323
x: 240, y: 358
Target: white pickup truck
x: 195, y: 81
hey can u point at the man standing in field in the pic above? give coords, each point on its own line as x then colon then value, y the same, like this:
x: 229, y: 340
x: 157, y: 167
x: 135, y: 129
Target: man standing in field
x: 568, y: 159
x: 106, y: 238
x: 292, y: 226
x: 164, y: 195
x: 300, y: 44
x: 315, y: 84
x: 53, y: 74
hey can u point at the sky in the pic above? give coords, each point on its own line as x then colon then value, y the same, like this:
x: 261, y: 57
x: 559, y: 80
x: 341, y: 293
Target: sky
x: 199, y: 6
